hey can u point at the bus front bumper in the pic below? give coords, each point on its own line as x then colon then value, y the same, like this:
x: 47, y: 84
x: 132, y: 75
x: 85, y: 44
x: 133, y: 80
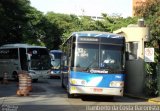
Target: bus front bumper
x: 43, y: 75
x: 55, y: 74
x: 33, y: 76
x: 96, y: 91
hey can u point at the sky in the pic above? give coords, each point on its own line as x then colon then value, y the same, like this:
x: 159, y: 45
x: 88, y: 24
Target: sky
x: 85, y: 7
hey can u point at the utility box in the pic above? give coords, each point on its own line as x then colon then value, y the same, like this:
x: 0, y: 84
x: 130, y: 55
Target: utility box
x: 136, y: 36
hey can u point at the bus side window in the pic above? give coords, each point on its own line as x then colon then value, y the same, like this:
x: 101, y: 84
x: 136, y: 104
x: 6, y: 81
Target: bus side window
x: 64, y: 63
x: 73, y: 55
x: 52, y: 57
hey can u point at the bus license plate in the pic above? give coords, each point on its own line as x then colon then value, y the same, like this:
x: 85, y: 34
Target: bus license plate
x: 97, y: 90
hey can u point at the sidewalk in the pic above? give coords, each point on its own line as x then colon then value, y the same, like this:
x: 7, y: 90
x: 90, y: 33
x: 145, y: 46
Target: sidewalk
x: 149, y: 99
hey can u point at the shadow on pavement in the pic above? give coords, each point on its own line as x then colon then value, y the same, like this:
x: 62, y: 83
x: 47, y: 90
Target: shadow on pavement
x: 96, y: 98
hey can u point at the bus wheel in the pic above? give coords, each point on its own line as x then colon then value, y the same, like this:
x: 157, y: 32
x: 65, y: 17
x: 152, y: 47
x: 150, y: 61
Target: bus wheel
x: 34, y: 80
x: 110, y: 98
x: 15, y: 76
x: 70, y: 95
x: 62, y: 84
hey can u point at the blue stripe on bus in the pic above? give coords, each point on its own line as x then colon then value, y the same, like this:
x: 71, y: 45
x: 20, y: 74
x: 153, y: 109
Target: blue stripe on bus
x: 88, y: 34
x: 105, y: 79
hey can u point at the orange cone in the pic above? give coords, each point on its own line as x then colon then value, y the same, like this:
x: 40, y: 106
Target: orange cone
x: 22, y: 92
x: 29, y: 83
x: 5, y: 79
x: 23, y: 85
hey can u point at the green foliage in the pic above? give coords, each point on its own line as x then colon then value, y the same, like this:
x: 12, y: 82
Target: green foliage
x: 13, y: 20
x: 18, y: 21
x: 22, y: 23
x: 114, y: 23
x: 72, y: 23
x: 150, y: 11
x: 51, y: 35
x: 33, y: 30
x: 151, y: 79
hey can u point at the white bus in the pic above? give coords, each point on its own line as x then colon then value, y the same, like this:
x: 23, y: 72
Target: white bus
x: 24, y: 57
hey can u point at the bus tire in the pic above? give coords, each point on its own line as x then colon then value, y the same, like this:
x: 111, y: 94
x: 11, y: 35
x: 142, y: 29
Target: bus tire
x: 15, y: 76
x: 62, y: 85
x: 110, y: 97
x: 34, y: 80
x: 70, y: 95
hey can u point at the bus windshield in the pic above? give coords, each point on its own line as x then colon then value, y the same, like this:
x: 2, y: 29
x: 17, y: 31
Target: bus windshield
x: 111, y: 57
x: 40, y: 59
x: 86, y: 56
x: 98, y: 56
x: 56, y: 62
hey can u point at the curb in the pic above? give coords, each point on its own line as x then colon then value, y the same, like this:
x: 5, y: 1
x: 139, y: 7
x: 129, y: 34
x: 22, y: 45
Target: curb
x: 134, y: 96
x: 151, y: 100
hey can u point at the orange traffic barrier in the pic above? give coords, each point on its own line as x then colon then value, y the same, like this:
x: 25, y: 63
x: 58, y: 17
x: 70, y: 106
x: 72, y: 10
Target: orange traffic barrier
x: 29, y: 83
x: 22, y: 92
x: 5, y: 78
x: 23, y: 85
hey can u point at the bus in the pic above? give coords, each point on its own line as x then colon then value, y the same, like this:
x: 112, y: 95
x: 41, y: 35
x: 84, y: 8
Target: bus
x: 15, y: 58
x: 56, y: 61
x: 95, y: 63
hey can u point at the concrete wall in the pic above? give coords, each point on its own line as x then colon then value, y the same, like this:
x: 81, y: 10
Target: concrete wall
x: 135, y: 67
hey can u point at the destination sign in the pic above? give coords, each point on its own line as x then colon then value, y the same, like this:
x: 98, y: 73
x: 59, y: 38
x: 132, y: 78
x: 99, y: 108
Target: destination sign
x: 89, y: 39
x: 4, y: 51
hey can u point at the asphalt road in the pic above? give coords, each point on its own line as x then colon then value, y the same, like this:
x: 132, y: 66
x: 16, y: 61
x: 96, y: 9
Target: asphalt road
x: 47, y: 95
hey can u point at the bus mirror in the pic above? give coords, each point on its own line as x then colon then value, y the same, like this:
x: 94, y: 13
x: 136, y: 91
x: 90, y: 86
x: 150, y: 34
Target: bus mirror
x: 29, y: 57
x: 52, y: 57
x: 64, y: 58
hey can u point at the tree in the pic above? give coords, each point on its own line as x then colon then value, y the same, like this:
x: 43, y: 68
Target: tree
x: 19, y: 22
x: 111, y: 23
x: 13, y: 20
x: 150, y: 11
x: 51, y: 35
x: 59, y: 26
x: 33, y: 32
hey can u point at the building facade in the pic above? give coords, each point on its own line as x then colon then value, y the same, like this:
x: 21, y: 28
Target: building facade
x: 136, y: 36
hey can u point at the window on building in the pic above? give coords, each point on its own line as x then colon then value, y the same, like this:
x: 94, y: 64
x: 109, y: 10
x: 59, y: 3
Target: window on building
x: 132, y: 50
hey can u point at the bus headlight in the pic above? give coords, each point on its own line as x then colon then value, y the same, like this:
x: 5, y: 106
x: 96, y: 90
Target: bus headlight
x: 77, y: 81
x: 52, y: 72
x: 116, y: 84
